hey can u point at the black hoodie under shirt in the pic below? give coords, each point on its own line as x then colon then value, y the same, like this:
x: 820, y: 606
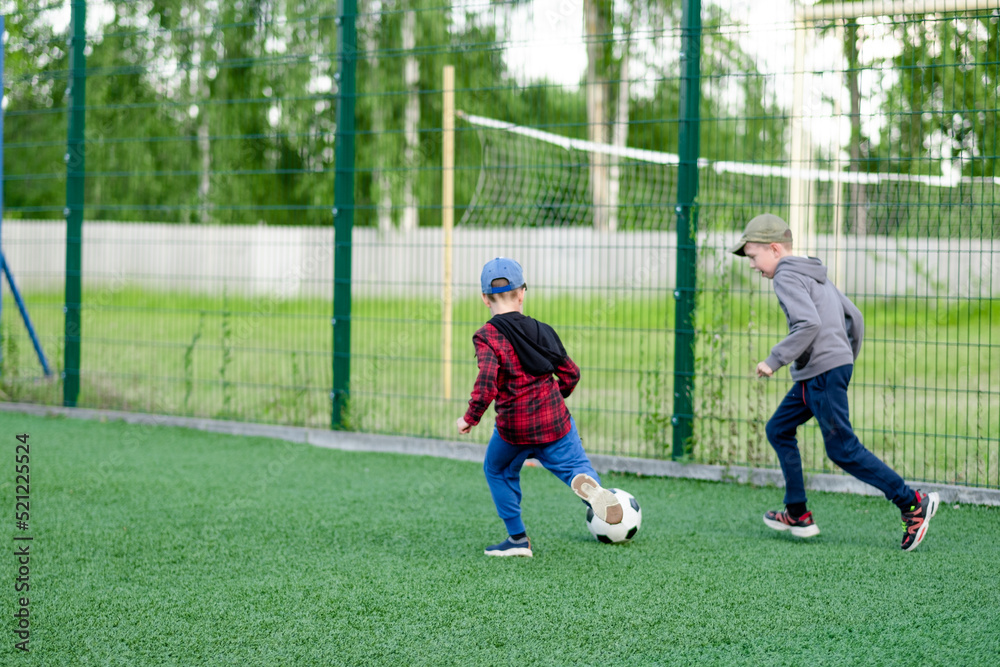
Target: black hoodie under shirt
x: 536, y: 344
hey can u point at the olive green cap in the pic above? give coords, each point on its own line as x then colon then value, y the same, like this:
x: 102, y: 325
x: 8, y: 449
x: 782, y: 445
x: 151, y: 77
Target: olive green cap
x: 765, y: 228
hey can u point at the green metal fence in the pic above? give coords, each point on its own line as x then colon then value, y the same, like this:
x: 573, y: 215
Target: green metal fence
x: 267, y: 211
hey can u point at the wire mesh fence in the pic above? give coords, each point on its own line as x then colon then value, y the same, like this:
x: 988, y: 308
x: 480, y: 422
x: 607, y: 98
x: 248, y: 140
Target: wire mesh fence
x: 210, y: 224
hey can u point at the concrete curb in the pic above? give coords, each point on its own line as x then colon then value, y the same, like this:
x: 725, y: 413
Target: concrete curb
x: 464, y: 451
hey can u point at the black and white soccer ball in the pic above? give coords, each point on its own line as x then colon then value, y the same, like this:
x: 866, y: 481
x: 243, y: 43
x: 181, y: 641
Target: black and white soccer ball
x: 620, y: 532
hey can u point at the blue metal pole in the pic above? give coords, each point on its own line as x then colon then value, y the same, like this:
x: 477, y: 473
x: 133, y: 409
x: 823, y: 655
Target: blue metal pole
x: 24, y: 315
x: 2, y: 94
x: 4, y: 268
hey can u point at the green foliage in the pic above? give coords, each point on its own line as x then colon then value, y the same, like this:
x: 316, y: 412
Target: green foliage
x: 756, y: 445
x: 715, y: 416
x: 35, y: 64
x: 741, y: 119
x: 227, y: 357
x: 10, y: 367
x: 189, y: 364
x: 948, y: 77
x: 655, y: 408
x: 933, y: 80
x: 224, y: 113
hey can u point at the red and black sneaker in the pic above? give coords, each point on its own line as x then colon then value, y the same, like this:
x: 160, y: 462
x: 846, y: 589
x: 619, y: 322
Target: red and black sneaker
x: 916, y: 520
x: 804, y: 526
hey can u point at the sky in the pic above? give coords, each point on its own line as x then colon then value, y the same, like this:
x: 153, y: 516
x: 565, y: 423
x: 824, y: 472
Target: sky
x: 99, y: 13
x: 547, y: 35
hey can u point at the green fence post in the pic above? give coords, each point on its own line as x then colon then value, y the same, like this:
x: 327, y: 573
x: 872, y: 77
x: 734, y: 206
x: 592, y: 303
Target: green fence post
x: 75, y: 174
x: 343, y: 214
x: 687, y: 227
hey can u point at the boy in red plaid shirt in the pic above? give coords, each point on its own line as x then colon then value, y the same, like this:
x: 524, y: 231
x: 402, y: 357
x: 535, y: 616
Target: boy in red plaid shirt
x: 524, y: 367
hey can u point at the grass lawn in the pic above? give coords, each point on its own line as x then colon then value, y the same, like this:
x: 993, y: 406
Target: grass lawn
x: 924, y: 394
x: 158, y: 545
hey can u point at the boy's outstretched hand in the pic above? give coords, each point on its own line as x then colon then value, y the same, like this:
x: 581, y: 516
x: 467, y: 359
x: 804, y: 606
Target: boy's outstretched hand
x: 763, y: 370
x: 463, y: 426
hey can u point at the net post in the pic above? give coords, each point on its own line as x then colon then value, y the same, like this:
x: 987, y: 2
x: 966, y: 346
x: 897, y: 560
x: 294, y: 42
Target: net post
x: 75, y: 175
x: 837, y: 252
x: 801, y: 183
x: 447, y: 215
x: 343, y: 197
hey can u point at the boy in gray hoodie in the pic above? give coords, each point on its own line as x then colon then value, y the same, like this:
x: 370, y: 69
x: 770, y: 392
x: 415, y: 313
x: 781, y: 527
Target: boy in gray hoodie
x: 824, y: 338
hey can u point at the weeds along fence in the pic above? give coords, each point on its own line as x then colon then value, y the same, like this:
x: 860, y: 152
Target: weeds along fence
x: 277, y: 212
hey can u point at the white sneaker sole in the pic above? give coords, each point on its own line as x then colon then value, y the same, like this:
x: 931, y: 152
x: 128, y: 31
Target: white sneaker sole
x: 932, y: 508
x: 524, y: 551
x: 605, y: 504
x: 797, y: 531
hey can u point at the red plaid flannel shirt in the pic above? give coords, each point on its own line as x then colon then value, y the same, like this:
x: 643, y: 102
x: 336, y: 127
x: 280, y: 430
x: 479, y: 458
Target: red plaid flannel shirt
x: 530, y: 408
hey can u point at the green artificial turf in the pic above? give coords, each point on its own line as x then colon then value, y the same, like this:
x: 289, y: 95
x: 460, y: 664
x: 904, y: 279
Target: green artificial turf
x: 157, y: 545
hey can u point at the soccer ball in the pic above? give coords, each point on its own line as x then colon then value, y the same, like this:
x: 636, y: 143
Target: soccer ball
x: 620, y: 532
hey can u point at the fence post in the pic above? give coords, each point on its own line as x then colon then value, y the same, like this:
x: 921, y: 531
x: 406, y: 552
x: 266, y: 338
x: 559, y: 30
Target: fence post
x: 75, y: 174
x: 343, y: 213
x: 687, y: 227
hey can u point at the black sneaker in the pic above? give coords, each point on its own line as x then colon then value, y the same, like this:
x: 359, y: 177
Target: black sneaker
x: 916, y: 520
x: 804, y: 526
x: 508, y: 548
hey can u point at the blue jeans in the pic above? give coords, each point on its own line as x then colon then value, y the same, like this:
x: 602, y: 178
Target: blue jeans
x: 825, y: 397
x: 564, y: 458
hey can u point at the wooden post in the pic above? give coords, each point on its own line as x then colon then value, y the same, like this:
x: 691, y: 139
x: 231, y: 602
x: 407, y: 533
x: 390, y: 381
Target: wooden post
x: 837, y: 251
x: 448, y: 214
x: 799, y: 159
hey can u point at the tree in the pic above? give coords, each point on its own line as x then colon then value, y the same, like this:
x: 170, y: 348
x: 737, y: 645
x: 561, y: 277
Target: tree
x: 598, y: 19
x: 941, y: 106
x: 36, y: 61
x: 405, y: 48
x: 859, y: 144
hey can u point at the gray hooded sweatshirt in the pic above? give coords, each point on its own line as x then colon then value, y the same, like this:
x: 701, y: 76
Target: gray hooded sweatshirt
x: 824, y: 328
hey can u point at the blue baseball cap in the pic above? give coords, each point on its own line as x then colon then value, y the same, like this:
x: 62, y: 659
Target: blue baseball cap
x: 501, y: 267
